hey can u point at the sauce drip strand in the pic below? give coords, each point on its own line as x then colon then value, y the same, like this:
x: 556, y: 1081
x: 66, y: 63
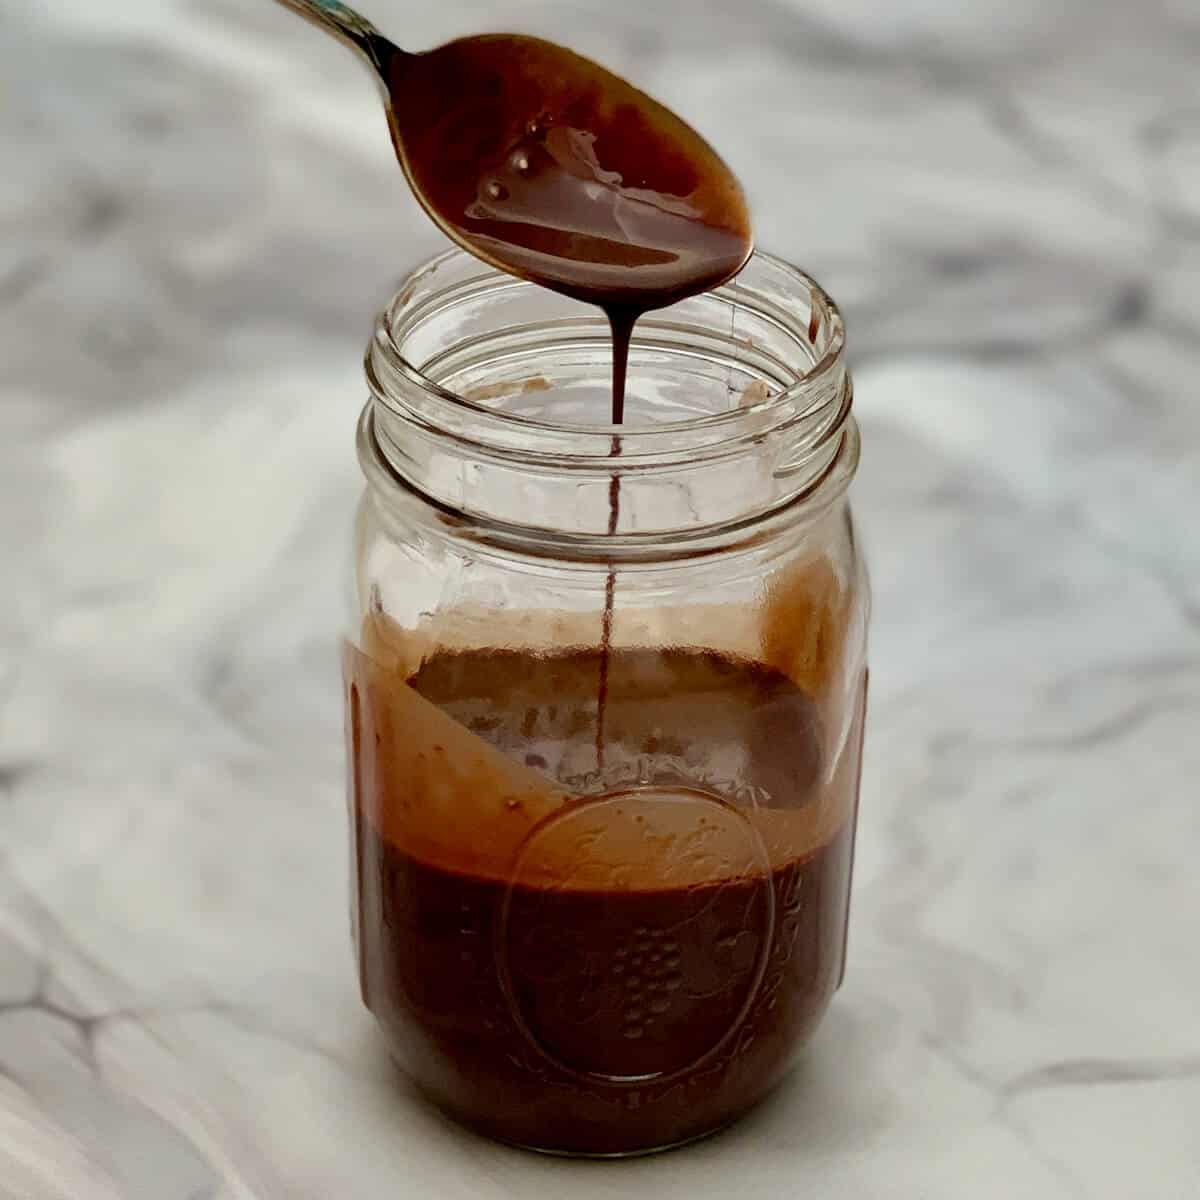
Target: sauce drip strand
x: 550, y: 167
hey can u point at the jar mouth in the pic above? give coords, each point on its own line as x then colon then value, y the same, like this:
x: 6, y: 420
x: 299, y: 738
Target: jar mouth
x: 804, y: 379
x: 484, y: 390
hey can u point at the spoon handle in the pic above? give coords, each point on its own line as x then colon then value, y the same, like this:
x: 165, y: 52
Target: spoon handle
x: 348, y: 26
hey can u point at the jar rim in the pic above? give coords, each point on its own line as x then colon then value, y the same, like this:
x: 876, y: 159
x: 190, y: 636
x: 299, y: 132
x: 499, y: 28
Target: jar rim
x: 651, y: 546
x: 745, y: 465
x: 390, y: 370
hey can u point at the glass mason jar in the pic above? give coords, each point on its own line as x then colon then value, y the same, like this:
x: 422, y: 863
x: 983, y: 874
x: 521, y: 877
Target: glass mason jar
x: 605, y: 692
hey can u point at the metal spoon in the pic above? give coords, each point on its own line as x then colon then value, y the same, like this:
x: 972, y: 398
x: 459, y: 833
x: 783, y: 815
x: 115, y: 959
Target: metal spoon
x: 548, y: 166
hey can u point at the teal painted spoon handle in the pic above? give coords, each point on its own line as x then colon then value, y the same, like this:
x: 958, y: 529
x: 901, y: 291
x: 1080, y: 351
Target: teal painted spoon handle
x: 356, y: 31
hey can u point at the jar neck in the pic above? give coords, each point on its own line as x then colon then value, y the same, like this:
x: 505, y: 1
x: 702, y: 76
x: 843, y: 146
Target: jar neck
x: 485, y: 390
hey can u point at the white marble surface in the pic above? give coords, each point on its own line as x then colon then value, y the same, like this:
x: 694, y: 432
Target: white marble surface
x: 199, y: 216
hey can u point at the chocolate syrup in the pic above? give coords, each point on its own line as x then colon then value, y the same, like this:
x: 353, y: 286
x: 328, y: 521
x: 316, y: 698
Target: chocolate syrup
x: 621, y: 322
x: 554, y: 169
x: 568, y: 965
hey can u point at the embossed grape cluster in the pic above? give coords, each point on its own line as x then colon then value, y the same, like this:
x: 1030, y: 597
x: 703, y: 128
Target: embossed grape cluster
x: 649, y: 969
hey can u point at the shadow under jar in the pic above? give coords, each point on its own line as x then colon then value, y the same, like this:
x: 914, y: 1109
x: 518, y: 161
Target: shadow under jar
x: 605, y: 693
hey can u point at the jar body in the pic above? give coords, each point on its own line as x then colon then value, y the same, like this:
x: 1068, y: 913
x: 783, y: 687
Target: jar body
x: 602, y: 811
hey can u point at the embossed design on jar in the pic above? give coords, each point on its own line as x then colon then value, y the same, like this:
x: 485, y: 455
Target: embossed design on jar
x: 669, y: 890
x: 789, y: 906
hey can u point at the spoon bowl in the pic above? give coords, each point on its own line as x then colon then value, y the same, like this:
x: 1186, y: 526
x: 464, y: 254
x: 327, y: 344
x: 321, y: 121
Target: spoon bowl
x: 548, y: 166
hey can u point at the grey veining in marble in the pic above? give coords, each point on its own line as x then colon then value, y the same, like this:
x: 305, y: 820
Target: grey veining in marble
x: 200, y: 215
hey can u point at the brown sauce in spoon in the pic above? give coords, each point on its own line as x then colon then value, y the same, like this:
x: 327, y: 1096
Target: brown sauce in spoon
x: 552, y: 168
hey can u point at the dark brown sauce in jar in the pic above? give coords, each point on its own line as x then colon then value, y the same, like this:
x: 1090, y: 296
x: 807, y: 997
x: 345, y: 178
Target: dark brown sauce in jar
x: 597, y: 974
